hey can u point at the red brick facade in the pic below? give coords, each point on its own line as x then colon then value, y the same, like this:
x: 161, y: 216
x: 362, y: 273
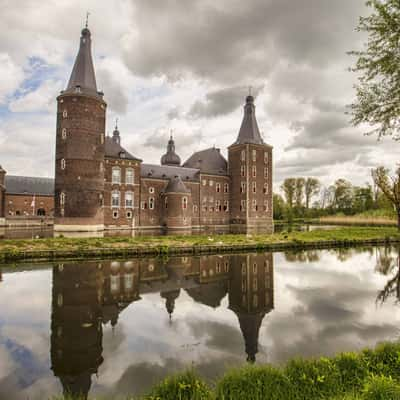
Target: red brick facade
x: 28, y: 205
x: 2, y: 195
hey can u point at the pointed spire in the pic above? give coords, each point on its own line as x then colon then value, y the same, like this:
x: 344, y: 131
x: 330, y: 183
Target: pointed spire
x: 83, y: 78
x: 116, y: 136
x: 249, y: 132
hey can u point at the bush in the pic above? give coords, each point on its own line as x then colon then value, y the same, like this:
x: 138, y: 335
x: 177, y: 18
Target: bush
x: 381, y: 388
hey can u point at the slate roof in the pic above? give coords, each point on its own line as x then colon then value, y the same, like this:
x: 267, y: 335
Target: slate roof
x: 83, y: 74
x: 114, y: 150
x: 175, y: 185
x: 209, y: 161
x: 249, y: 132
x: 29, y: 185
x: 168, y: 172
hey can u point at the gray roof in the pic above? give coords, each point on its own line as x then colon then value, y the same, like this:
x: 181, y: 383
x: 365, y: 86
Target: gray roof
x: 83, y: 74
x: 175, y: 185
x: 249, y: 132
x: 208, y: 161
x: 29, y: 185
x: 168, y: 172
x: 115, y: 150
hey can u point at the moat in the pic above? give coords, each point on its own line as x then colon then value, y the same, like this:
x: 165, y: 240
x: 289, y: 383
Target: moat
x: 117, y: 327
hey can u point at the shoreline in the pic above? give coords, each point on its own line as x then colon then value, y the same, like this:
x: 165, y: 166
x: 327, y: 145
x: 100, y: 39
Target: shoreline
x: 52, y: 249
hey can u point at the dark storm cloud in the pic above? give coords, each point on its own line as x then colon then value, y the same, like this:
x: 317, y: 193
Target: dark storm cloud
x: 116, y: 96
x: 236, y: 41
x: 221, y: 102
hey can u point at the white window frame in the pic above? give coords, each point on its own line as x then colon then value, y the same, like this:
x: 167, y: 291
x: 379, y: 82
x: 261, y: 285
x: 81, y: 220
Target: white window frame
x: 254, y: 155
x: 64, y: 133
x: 151, y: 190
x: 62, y: 198
x: 127, y: 195
x: 184, y: 203
x: 266, y: 157
x: 115, y: 194
x: 226, y: 187
x: 218, y: 187
x: 63, y: 163
x: 243, y: 155
x: 242, y: 170
x: 151, y: 203
x: 130, y: 172
x: 65, y: 114
x: 254, y: 185
x: 254, y: 171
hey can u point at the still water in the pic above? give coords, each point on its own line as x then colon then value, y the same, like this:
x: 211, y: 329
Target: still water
x: 118, y: 327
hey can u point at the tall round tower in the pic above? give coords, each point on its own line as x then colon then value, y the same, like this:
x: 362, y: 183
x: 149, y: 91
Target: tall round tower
x: 79, y: 169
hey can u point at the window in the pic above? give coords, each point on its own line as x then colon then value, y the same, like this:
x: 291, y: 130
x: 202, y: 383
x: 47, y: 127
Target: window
x: 254, y: 268
x: 226, y: 188
x: 255, y: 284
x: 116, y: 175
x: 243, y: 205
x: 101, y: 166
x: 254, y: 155
x: 265, y: 172
x: 115, y: 214
x: 266, y: 208
x: 217, y: 187
x: 218, y: 206
x: 115, y: 196
x: 64, y: 133
x: 218, y: 268
x: 166, y: 202
x: 62, y: 198
x: 226, y: 205
x: 243, y: 155
x: 254, y: 171
x: 129, y: 214
x: 195, y: 208
x: 265, y: 189
x: 184, y: 203
x: 211, y: 183
x: 151, y: 203
x: 242, y: 187
x: 204, y: 182
x: 254, y: 187
x: 143, y: 205
x: 266, y: 157
x: 255, y: 207
x: 242, y: 170
x: 62, y: 163
x: 129, y: 176
x: 102, y: 138
x: 65, y: 114
x: 151, y: 190
x: 128, y: 199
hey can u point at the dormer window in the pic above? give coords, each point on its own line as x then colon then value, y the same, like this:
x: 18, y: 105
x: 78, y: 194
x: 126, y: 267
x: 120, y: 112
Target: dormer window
x: 122, y: 154
x: 78, y: 88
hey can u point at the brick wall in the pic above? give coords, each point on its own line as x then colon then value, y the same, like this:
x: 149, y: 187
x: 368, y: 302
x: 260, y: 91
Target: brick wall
x: 21, y: 204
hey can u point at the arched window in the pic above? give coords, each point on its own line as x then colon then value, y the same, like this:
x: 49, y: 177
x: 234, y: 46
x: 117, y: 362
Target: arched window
x: 265, y: 190
x: 129, y: 200
x: 64, y: 133
x: 115, y: 198
x: 116, y: 175
x: 62, y: 198
x: 65, y: 114
x: 63, y: 163
x: 151, y: 203
x: 254, y: 155
x: 226, y: 188
x: 254, y: 171
x: 129, y: 176
x: 184, y: 203
x: 265, y: 157
x: 243, y: 155
x: 254, y: 187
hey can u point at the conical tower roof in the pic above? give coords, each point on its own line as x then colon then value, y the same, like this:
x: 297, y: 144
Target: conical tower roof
x: 249, y: 132
x: 175, y: 185
x: 83, y: 77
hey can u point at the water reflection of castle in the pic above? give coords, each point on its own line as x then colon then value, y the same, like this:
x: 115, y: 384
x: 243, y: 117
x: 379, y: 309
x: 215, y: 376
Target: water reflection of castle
x: 87, y: 295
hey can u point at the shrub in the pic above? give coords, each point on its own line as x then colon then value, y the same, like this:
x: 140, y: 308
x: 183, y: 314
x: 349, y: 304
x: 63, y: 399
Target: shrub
x: 380, y: 388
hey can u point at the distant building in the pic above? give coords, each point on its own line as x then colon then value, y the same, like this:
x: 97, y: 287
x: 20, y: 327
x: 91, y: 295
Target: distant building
x: 101, y: 185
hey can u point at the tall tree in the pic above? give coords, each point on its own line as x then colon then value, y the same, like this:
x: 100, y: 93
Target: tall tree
x: 390, y: 187
x: 378, y: 67
x: 289, y: 188
x: 343, y: 195
x: 312, y: 188
x: 299, y: 192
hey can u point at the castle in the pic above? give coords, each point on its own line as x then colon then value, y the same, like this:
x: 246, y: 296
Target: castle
x: 100, y: 185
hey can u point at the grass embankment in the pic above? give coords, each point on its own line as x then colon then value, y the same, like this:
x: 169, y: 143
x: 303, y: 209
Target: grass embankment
x: 72, y: 248
x: 367, y: 375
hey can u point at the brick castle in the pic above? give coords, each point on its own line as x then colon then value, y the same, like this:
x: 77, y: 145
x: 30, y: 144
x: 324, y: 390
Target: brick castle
x: 100, y: 185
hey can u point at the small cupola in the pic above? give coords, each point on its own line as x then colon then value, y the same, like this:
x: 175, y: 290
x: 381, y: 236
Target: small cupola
x: 116, y: 136
x: 170, y: 157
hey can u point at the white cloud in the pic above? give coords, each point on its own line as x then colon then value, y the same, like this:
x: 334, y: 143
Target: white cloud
x: 11, y: 76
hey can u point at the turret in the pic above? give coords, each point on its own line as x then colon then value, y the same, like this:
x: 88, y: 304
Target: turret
x: 79, y: 169
x: 170, y: 157
x: 250, y: 169
x: 2, y: 196
x: 177, y: 205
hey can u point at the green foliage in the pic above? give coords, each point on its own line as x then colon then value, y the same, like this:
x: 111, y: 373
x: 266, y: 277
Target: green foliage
x: 377, y: 66
x: 380, y: 388
x: 186, y: 386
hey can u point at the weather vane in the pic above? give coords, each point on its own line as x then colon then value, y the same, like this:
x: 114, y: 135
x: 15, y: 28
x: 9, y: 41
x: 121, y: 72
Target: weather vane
x: 116, y: 123
x: 250, y: 88
x: 87, y: 19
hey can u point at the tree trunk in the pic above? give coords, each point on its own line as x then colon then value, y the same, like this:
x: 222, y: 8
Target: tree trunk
x: 398, y: 219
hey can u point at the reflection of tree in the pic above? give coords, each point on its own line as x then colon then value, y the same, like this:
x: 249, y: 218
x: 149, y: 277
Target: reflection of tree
x: 302, y: 256
x: 387, y: 263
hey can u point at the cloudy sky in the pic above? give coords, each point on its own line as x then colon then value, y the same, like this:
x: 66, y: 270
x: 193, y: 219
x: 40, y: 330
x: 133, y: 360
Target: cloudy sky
x: 186, y: 66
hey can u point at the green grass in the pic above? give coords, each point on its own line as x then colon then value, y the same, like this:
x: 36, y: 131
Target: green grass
x: 74, y: 247
x: 367, y: 375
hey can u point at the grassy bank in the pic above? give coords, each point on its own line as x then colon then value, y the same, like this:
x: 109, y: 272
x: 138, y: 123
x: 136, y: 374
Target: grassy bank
x: 73, y: 248
x: 367, y: 375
